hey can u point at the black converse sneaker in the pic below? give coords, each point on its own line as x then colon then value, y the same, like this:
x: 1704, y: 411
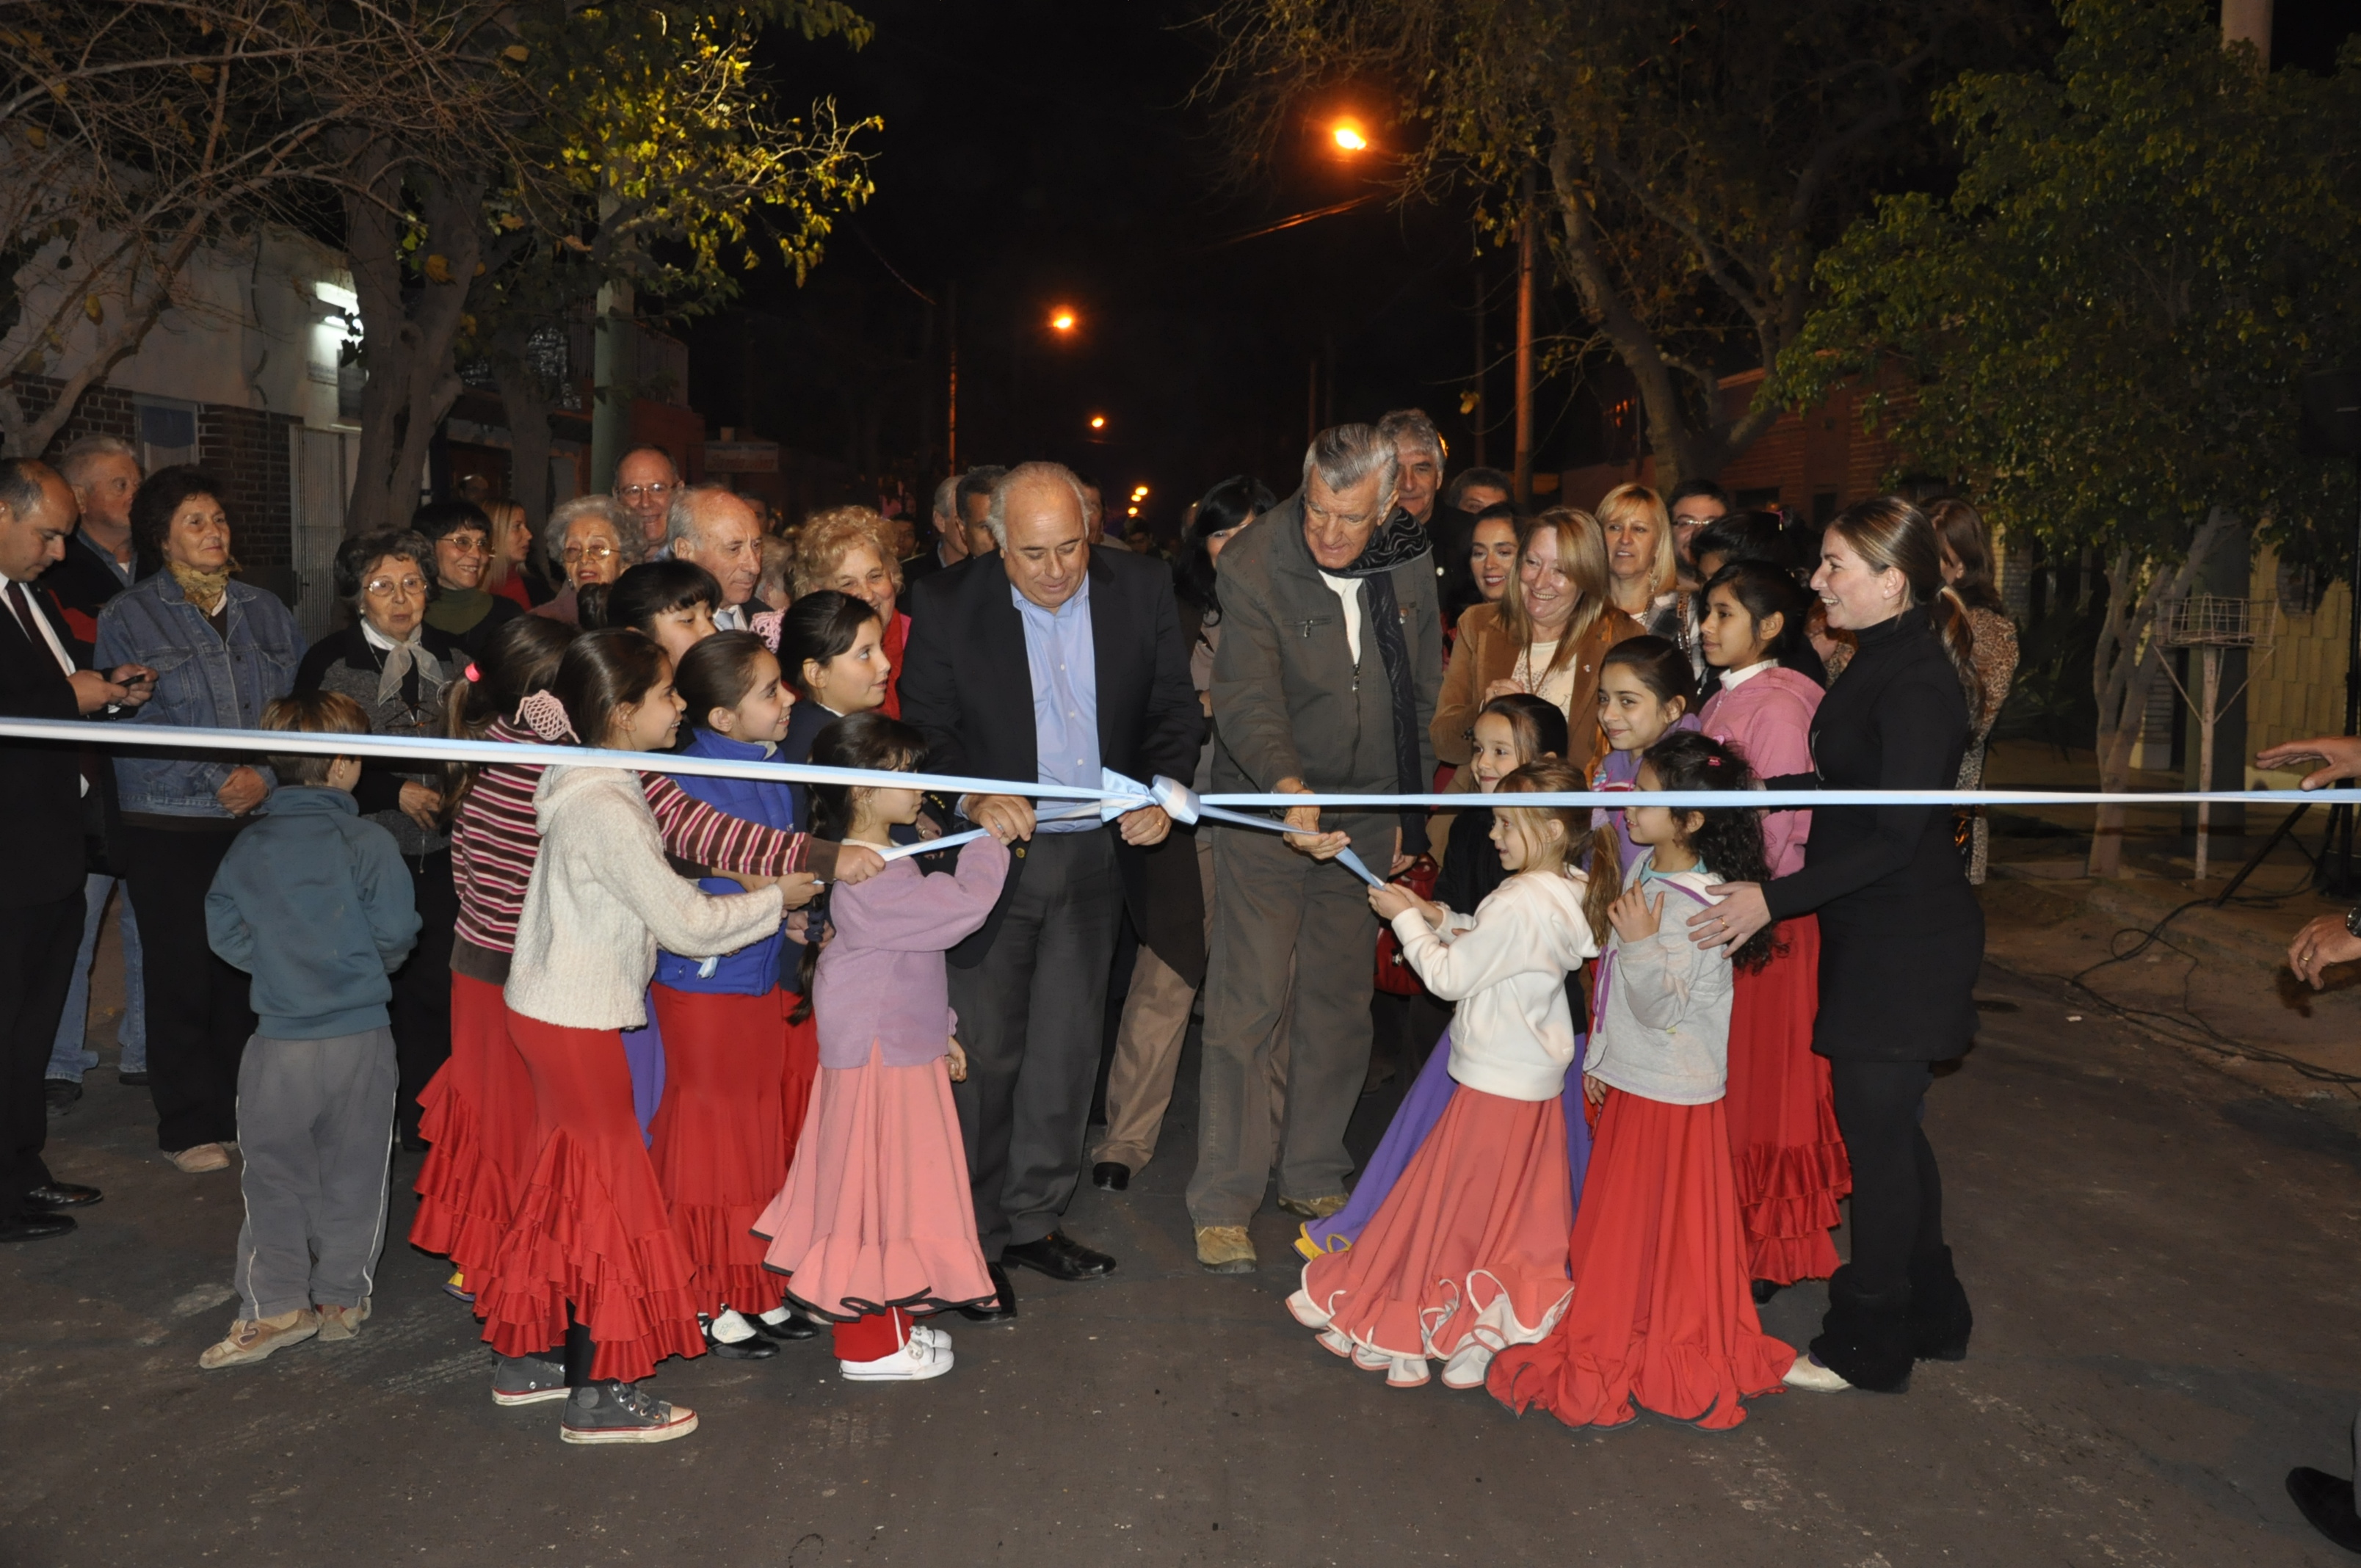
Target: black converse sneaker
x: 528, y: 1380
x: 621, y: 1412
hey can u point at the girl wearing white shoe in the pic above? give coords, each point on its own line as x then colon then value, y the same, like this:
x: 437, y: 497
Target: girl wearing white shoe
x: 875, y: 1223
x: 1466, y: 1253
x: 1663, y: 1318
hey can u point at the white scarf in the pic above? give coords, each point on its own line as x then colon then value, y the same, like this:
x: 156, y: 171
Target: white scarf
x: 400, y: 658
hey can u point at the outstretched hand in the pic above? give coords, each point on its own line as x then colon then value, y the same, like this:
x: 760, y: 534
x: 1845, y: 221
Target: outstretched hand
x: 2339, y: 756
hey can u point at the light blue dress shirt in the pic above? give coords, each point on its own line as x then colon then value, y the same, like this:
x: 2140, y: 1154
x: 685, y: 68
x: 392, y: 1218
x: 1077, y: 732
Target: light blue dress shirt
x: 1063, y: 656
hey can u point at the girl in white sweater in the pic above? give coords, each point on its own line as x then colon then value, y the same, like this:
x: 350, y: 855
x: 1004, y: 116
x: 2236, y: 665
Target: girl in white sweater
x: 1466, y: 1253
x: 1662, y: 1315
x: 590, y: 1261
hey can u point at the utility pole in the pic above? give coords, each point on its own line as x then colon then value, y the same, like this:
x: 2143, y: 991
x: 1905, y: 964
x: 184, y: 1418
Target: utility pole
x: 1525, y: 343
x: 950, y: 336
x: 1478, y: 393
x: 1312, y: 402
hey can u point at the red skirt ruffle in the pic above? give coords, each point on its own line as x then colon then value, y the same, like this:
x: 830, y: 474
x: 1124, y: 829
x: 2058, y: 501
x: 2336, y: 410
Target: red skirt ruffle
x: 1470, y: 1245
x: 479, y: 1125
x: 1790, y: 1159
x: 719, y: 1139
x: 591, y: 1228
x: 1662, y: 1316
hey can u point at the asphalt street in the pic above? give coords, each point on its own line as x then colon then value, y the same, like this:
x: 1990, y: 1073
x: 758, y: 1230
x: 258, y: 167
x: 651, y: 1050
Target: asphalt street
x: 2162, y: 1262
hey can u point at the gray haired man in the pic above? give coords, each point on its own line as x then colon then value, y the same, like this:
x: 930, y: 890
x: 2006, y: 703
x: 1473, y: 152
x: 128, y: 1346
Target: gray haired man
x: 1326, y: 681
x: 713, y: 527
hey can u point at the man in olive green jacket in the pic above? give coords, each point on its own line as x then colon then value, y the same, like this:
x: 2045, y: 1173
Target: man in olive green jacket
x: 1330, y: 662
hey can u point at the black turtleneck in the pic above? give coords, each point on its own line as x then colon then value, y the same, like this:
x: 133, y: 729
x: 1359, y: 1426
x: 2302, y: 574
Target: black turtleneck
x: 1901, y: 933
x: 1897, y: 719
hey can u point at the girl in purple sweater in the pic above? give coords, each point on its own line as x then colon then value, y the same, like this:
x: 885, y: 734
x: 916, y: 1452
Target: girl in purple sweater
x: 875, y: 1222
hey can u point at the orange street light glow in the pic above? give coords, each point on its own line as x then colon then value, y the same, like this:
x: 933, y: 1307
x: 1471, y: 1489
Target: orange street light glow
x: 1062, y: 320
x: 1098, y: 422
x: 1349, y: 137
x: 1134, y: 511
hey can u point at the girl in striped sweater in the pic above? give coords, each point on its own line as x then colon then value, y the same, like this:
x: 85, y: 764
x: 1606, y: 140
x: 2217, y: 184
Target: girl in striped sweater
x: 480, y: 1114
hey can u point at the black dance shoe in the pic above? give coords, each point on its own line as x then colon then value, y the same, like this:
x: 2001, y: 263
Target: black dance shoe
x: 1002, y: 1309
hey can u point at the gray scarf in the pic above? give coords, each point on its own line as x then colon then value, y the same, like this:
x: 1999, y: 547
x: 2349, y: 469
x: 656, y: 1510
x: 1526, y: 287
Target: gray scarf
x: 401, y: 659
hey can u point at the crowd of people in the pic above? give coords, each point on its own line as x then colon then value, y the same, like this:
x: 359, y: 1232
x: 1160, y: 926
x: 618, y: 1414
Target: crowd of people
x: 705, y: 1065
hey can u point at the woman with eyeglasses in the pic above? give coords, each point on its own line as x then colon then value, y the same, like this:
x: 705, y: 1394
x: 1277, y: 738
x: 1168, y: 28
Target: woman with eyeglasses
x: 394, y: 661
x: 222, y: 649
x: 461, y: 607
x: 590, y: 541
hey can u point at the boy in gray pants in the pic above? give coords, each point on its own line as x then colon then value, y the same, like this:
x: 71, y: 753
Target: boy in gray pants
x: 312, y: 901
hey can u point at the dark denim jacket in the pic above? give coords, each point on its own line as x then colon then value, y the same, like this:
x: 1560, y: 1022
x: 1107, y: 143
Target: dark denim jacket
x: 202, y: 679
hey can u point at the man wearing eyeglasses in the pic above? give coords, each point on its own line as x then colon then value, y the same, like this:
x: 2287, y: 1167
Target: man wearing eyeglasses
x: 645, y: 482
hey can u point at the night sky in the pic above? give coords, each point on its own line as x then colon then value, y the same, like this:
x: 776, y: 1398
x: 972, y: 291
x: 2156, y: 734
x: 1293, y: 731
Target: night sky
x: 1041, y: 153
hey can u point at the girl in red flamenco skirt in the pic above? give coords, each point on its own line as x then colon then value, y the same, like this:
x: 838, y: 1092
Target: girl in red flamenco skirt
x: 722, y: 1140
x: 875, y: 1227
x: 1467, y: 1255
x: 1662, y: 1319
x: 590, y: 1260
x: 1789, y: 1155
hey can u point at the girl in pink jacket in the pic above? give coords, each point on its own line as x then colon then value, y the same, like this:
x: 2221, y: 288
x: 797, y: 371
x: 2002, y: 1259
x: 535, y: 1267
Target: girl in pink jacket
x: 1783, y: 1127
x: 874, y: 1225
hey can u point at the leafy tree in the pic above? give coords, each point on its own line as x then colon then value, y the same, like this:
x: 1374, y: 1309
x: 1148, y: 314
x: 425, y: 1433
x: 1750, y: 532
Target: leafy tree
x: 133, y: 132
x: 1699, y: 153
x: 2104, y: 321
x: 641, y: 152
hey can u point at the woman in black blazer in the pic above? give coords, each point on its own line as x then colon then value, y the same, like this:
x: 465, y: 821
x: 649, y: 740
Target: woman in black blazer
x: 1901, y: 935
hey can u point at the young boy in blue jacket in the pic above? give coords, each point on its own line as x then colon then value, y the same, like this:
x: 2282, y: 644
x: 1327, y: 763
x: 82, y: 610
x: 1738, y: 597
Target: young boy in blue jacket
x: 314, y: 902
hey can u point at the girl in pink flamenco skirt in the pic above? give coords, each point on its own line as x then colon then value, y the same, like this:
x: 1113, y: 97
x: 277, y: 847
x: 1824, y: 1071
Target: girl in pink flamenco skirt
x: 1468, y: 1254
x: 874, y: 1225
x: 1661, y: 1318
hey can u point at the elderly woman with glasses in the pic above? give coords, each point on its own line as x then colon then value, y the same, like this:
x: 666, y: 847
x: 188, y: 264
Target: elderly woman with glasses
x: 590, y: 541
x: 401, y: 669
x: 221, y: 650
x: 463, y: 605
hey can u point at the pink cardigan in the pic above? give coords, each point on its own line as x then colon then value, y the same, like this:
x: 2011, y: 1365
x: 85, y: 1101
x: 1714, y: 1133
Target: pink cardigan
x: 1768, y: 718
x: 880, y: 978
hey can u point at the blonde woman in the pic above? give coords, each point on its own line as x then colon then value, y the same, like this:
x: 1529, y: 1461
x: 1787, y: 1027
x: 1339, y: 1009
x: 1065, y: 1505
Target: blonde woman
x: 851, y: 551
x: 505, y: 573
x: 1553, y: 624
x: 1644, y: 564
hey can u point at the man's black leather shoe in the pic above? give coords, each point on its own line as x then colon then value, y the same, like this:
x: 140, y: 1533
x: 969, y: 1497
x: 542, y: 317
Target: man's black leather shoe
x: 62, y: 1195
x: 1059, y: 1258
x: 35, y: 1227
x: 755, y: 1349
x: 1001, y: 1310
x: 60, y: 1093
x: 2326, y: 1501
x: 1108, y: 1176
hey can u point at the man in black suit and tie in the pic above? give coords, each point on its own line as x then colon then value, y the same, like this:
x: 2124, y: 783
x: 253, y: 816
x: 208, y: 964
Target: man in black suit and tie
x: 1041, y: 662
x: 44, y: 784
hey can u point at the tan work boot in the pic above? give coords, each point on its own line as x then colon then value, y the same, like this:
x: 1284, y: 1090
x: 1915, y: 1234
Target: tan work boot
x: 199, y: 1158
x: 252, y: 1339
x: 342, y: 1322
x: 1314, y: 1208
x: 1225, y: 1249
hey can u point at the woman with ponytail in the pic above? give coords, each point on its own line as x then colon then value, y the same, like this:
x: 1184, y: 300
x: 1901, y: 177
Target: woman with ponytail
x: 1901, y: 934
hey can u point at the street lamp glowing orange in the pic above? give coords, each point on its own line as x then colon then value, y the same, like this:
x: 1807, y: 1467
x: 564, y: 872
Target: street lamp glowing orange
x: 1098, y: 422
x: 1062, y: 319
x: 1349, y: 137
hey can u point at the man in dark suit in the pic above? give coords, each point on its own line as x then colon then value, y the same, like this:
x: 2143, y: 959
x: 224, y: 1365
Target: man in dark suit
x: 44, y: 784
x: 1041, y: 662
